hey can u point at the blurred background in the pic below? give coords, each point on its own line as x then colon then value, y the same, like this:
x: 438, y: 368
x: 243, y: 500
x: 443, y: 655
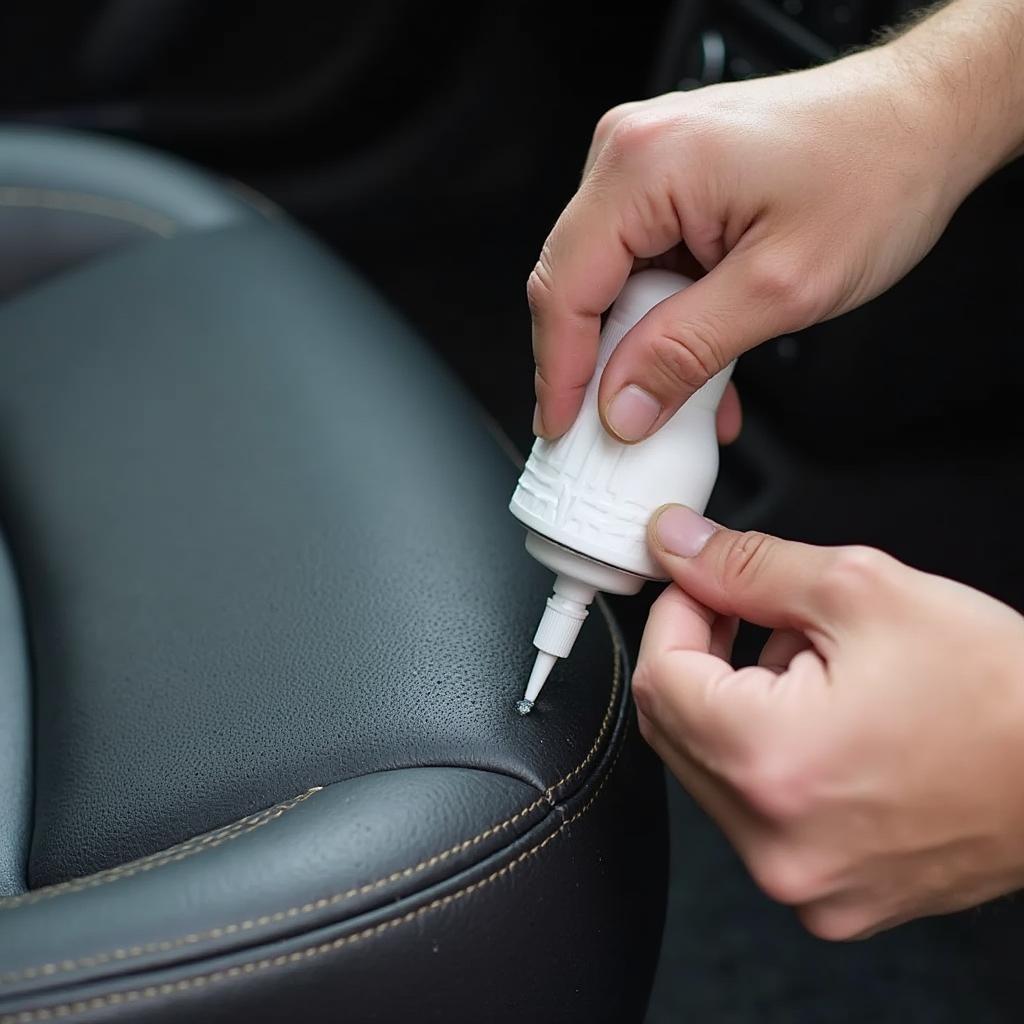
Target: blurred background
x: 433, y: 147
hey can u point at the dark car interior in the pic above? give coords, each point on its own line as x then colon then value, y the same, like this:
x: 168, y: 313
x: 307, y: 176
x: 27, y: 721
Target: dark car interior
x: 428, y: 151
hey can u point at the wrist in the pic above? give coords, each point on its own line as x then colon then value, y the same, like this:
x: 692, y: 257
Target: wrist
x: 961, y: 81
x: 904, y: 124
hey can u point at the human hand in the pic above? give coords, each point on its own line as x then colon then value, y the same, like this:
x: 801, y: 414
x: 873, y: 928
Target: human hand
x: 868, y: 770
x: 801, y: 196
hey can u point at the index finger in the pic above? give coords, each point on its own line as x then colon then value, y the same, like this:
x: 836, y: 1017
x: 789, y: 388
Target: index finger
x: 582, y: 267
x: 678, y: 622
x: 687, y: 686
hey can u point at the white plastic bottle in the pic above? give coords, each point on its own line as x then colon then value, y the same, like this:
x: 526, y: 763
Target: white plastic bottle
x: 586, y: 498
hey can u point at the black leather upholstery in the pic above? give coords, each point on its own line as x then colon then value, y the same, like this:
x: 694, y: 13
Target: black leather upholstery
x: 277, y: 617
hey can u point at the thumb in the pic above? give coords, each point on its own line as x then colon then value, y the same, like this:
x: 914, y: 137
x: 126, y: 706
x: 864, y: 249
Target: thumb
x: 688, y: 338
x: 771, y: 582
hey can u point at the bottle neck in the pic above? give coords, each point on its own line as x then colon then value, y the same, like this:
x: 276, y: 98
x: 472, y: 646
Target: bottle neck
x: 578, y: 570
x: 564, y: 614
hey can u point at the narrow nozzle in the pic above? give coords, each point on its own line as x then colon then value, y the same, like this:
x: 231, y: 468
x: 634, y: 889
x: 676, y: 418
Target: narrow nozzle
x: 563, y: 618
x: 538, y: 677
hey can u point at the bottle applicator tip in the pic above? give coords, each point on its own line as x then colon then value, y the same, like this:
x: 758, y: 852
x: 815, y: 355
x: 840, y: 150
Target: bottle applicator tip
x: 538, y: 677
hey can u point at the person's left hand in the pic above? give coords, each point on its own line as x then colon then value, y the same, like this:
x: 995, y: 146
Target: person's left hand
x: 870, y: 768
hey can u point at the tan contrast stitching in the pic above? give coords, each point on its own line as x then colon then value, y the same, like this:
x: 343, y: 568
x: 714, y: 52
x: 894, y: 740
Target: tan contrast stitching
x: 608, y: 712
x: 84, y: 202
x: 166, y: 945
x: 155, y: 860
x: 267, y: 963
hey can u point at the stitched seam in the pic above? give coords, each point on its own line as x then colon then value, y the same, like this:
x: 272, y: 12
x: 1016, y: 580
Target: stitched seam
x: 167, y: 945
x: 609, y: 711
x: 67, y: 201
x: 201, y: 981
x: 187, y: 846
x: 155, y: 860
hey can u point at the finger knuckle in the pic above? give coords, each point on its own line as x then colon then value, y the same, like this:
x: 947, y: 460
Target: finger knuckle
x: 541, y: 385
x: 644, y: 686
x: 855, y: 573
x: 777, y: 786
x: 686, y: 359
x: 633, y: 136
x: 745, y: 560
x: 610, y: 118
x: 834, y: 924
x: 786, y: 876
x: 539, y: 284
x: 784, y: 283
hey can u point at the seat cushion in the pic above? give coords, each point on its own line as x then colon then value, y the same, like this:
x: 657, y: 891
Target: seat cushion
x: 277, y: 618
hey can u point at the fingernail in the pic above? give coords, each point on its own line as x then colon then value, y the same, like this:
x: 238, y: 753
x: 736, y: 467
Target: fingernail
x: 538, y: 422
x: 681, y: 531
x: 632, y: 413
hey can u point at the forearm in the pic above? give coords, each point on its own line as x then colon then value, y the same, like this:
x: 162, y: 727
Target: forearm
x: 967, y: 60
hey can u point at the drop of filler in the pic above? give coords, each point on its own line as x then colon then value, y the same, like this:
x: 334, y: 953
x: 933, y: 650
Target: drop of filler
x: 564, y: 614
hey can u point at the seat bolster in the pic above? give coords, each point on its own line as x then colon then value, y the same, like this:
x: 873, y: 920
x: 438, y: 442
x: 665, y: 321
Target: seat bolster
x: 428, y: 894
x: 67, y: 197
x: 326, y: 856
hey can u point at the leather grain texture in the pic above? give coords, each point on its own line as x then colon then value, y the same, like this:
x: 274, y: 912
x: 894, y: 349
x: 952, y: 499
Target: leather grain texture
x: 260, y: 552
x: 278, y: 617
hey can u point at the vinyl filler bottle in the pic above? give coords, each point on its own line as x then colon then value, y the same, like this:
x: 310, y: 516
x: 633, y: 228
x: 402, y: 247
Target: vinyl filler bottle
x: 586, y: 498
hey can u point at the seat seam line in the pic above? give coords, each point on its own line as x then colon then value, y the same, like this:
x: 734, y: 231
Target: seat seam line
x: 73, y: 201
x: 309, y: 952
x: 122, y: 954
x: 171, y: 854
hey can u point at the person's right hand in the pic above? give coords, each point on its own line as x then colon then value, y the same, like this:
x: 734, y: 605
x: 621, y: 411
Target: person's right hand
x: 801, y: 196
x: 868, y: 768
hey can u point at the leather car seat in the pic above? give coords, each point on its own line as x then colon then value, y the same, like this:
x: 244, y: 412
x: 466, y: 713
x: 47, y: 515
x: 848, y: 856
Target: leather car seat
x: 264, y: 618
